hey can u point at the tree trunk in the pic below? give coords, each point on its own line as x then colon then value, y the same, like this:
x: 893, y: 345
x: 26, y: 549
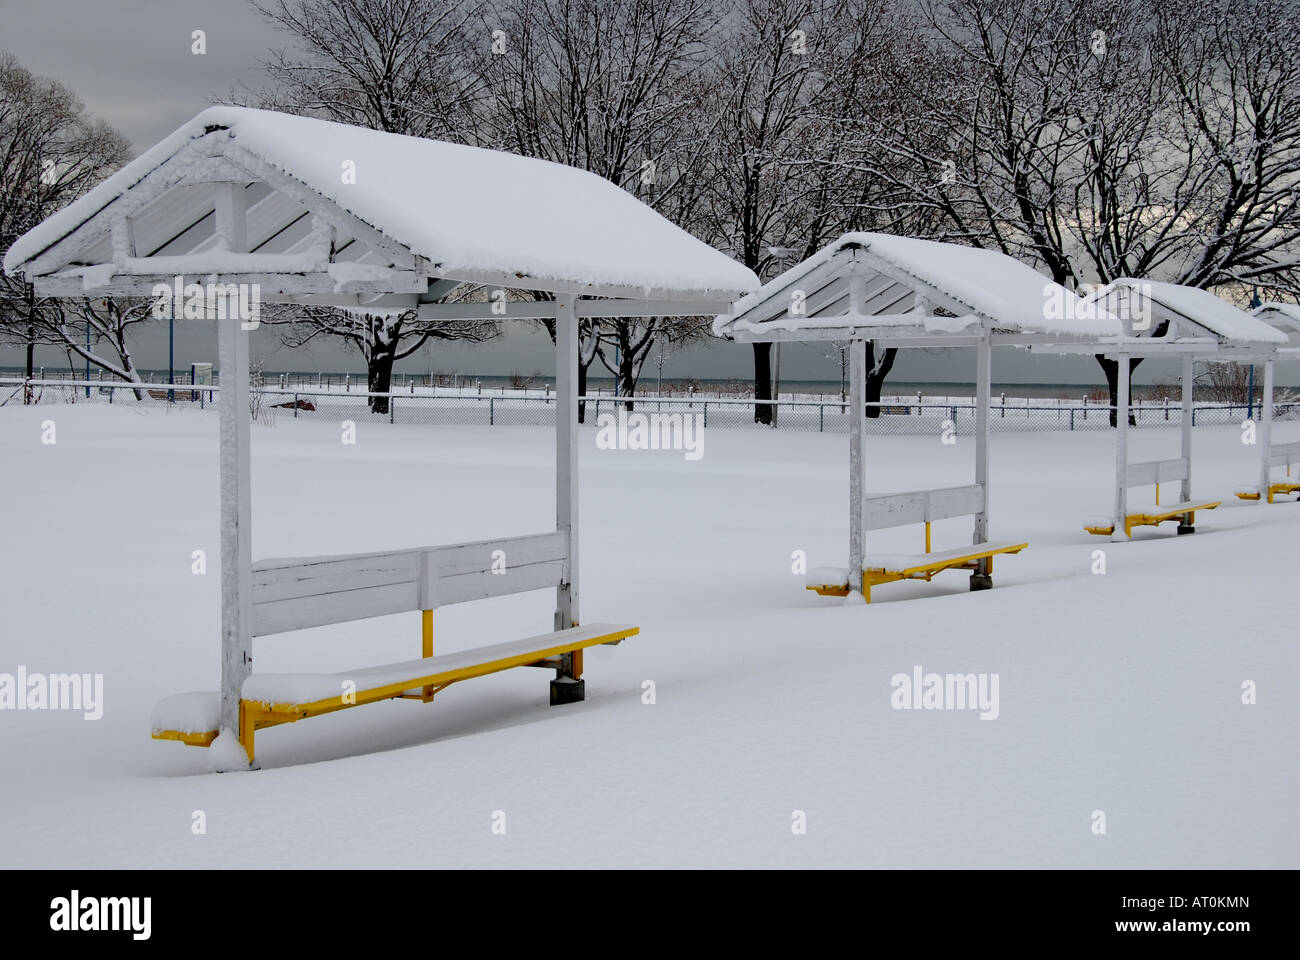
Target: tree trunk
x: 31, y: 356
x: 1111, y: 369
x: 379, y: 379
x: 762, y: 382
x: 876, y: 374
x: 626, y: 377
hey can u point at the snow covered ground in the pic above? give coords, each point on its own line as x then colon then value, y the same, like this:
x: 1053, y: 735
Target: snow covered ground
x: 1120, y: 693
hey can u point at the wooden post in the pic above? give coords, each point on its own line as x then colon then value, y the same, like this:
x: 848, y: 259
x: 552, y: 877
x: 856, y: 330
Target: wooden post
x: 1121, y: 447
x: 857, y: 431
x: 566, y: 455
x: 1185, y: 446
x: 982, y: 578
x: 230, y: 208
x: 236, y: 519
x: 1265, y: 437
x: 568, y: 686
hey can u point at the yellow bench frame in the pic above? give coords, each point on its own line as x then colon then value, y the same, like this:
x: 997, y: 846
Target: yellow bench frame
x: 256, y: 715
x: 1273, y: 490
x: 1151, y: 519
x: 871, y: 576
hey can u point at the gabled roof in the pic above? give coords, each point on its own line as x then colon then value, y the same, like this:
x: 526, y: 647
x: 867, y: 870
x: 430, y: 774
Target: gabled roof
x: 905, y: 281
x: 471, y: 214
x: 1282, y: 316
x: 1144, y: 305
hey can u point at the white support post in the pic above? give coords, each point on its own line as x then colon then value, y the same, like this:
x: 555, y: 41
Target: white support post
x: 566, y: 455
x: 236, y: 519
x: 1121, y: 447
x: 857, y: 431
x: 981, y: 579
x: 1265, y: 437
x: 231, y: 209
x: 1185, y: 447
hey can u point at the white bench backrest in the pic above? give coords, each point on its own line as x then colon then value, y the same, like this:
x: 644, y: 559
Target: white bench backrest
x: 1281, y: 454
x: 1156, y: 471
x: 300, y: 593
x: 918, y: 506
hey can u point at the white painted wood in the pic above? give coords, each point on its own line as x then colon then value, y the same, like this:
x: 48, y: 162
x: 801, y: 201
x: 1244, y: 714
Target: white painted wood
x: 297, y: 594
x: 1265, y: 438
x: 275, y: 287
x: 1156, y: 471
x: 320, y: 206
x: 857, y: 464
x: 231, y: 210
x: 1185, y: 440
x: 1121, y: 447
x: 167, y: 175
x: 919, y: 506
x: 1282, y: 454
x: 123, y: 239
x: 566, y: 456
x: 236, y: 519
x: 983, y: 391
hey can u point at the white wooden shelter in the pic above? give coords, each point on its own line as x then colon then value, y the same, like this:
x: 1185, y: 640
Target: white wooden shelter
x: 908, y: 293
x: 1285, y: 318
x: 1167, y: 319
x: 307, y: 211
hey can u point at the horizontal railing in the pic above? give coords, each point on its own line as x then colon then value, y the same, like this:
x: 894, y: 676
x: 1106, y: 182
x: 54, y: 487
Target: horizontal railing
x: 894, y: 415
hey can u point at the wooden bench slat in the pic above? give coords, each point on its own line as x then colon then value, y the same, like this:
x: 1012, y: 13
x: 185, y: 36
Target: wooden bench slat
x: 283, y: 698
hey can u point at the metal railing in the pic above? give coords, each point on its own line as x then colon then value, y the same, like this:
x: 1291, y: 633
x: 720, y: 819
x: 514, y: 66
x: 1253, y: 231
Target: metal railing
x: 893, y: 416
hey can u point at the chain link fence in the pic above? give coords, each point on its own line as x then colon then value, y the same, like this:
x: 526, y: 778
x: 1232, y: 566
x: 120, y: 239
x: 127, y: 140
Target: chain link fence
x: 900, y: 416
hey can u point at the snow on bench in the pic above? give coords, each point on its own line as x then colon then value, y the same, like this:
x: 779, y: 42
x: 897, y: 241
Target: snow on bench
x: 1153, y: 472
x: 273, y: 698
x: 898, y: 509
x: 1277, y: 455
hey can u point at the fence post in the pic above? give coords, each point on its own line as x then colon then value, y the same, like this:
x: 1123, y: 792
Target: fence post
x: 392, y: 407
x: 295, y: 406
x: 821, y: 418
x: 491, y: 411
x: 1004, y: 405
x: 1072, y: 418
x: 706, y: 413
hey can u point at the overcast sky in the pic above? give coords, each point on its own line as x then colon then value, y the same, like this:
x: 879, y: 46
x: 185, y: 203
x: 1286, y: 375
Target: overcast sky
x: 130, y: 61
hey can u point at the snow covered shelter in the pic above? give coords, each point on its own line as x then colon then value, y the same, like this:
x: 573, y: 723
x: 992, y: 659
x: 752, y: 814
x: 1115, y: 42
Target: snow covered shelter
x: 1167, y: 319
x: 908, y: 293
x: 306, y: 211
x: 1285, y: 318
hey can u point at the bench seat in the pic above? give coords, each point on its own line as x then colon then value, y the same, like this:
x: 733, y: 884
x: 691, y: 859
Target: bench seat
x: 1274, y: 489
x: 274, y: 698
x: 1152, y: 515
x: 886, y: 568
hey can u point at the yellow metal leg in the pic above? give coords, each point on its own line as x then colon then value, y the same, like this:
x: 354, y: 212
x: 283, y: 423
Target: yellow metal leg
x: 927, y: 536
x: 866, y: 588
x: 426, y: 643
x: 246, y: 729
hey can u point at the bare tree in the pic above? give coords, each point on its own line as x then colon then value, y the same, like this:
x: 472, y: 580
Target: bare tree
x: 84, y: 326
x: 399, y: 66
x: 1099, y: 138
x: 613, y: 87
x: 51, y: 152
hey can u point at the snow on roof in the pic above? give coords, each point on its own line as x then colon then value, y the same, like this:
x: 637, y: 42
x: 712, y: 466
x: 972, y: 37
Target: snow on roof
x: 1229, y: 323
x: 986, y: 284
x: 1278, y: 314
x: 468, y: 210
